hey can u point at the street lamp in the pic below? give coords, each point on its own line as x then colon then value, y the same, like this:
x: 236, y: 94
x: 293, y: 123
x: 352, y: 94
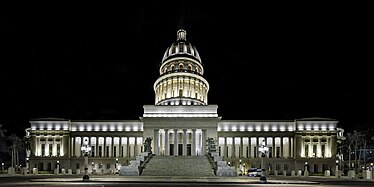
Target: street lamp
x: 229, y: 163
x: 337, y: 168
x: 2, y: 166
x: 58, y: 166
x: 263, y: 150
x: 244, y: 169
x: 86, y: 149
x: 116, y: 166
x: 93, y: 166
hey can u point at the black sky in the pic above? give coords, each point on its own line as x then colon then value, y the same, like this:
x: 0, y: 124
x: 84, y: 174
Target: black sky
x: 269, y: 61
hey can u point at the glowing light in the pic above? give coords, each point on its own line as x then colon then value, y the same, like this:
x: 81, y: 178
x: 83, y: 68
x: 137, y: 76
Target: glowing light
x: 250, y: 128
x: 97, y: 128
x: 242, y: 128
x: 120, y: 128
x: 282, y: 128
x: 274, y: 128
x: 127, y: 128
x: 81, y: 128
x: 233, y: 128
x: 331, y: 127
x: 258, y: 128
x: 58, y: 127
x: 308, y: 127
x: 104, y: 128
x: 135, y: 128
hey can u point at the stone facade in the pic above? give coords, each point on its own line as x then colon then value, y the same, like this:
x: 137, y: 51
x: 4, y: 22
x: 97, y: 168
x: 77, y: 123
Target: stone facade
x: 179, y: 123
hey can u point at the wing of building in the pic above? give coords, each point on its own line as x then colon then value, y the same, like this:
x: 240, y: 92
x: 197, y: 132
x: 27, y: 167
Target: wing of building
x: 180, y: 122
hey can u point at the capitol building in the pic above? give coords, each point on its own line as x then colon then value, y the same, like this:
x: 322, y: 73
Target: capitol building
x: 179, y: 123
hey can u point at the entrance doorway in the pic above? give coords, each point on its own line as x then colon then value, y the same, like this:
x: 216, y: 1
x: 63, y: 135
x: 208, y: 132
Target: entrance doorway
x: 189, y: 149
x: 180, y: 149
x: 171, y: 150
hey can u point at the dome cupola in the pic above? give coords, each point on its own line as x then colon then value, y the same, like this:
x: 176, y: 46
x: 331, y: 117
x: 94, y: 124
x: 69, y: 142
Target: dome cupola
x: 181, y: 71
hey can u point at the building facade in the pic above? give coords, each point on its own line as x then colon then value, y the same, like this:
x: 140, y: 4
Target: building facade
x: 179, y: 123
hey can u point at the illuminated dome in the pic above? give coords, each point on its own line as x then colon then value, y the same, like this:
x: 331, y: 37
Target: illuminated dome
x: 181, y: 48
x: 181, y: 79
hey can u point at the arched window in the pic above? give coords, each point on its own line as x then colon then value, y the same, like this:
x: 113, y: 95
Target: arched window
x: 189, y: 67
x: 181, y: 66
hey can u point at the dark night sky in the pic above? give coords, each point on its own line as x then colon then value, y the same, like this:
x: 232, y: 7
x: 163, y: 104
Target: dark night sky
x: 263, y: 62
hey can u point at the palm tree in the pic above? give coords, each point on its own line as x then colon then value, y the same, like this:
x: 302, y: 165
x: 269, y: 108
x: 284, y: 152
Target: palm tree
x: 15, y: 146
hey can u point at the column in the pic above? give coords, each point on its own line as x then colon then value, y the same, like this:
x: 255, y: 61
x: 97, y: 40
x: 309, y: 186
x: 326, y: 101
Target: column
x: 249, y: 147
x: 135, y: 146
x: 97, y: 147
x: 120, y: 147
x: 127, y: 146
x: 274, y: 148
x: 184, y: 142
x: 233, y: 147
x: 73, y: 152
x: 104, y: 151
x: 175, y: 142
x: 112, y: 148
x: 193, y: 147
x: 257, y: 144
x: 289, y: 147
x: 155, y: 142
x: 224, y: 147
x: 241, y: 148
x: 167, y: 142
x: 281, y: 147
x: 203, y: 134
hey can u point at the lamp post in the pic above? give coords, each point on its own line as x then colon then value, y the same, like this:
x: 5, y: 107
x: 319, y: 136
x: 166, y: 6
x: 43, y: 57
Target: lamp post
x: 229, y: 163
x: 263, y: 150
x: 244, y: 169
x: 93, y: 167
x: 337, y: 168
x: 116, y: 166
x: 86, y: 149
x: 2, y: 166
x: 58, y: 166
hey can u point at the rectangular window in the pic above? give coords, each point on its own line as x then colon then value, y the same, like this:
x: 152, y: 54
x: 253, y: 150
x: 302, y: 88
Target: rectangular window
x: 254, y: 152
x: 107, y: 151
x: 323, y: 150
x: 92, y: 151
x: 100, y: 151
x: 314, y: 150
x: 58, y: 149
x: 43, y: 149
x: 122, y: 151
x: 50, y: 149
x: 270, y: 152
x: 107, y: 166
x: 306, y: 151
x: 247, y: 151
x: 286, y: 167
x: 78, y: 166
x: 115, y: 151
x: 278, y: 152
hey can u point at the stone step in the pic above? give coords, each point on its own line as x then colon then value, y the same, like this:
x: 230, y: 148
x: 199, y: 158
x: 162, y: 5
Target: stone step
x: 178, y: 166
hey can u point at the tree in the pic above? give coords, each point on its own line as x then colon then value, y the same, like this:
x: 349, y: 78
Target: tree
x: 15, y: 144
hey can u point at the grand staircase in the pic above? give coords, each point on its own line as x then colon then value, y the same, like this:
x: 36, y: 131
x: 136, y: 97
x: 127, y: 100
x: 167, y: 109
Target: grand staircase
x: 178, y: 166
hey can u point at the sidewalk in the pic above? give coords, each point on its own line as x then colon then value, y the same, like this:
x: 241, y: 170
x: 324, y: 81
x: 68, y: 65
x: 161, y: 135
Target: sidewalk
x: 174, y: 179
